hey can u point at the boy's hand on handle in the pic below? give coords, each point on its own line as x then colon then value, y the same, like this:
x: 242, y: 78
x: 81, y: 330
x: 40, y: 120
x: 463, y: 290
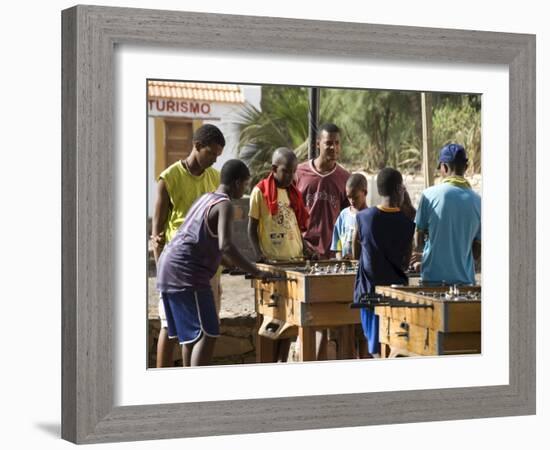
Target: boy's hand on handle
x: 416, y: 257
x: 261, y: 258
x: 415, y: 264
x: 309, y: 252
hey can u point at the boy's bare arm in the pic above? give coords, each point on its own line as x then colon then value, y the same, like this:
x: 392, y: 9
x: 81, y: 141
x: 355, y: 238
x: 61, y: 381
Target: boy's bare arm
x: 160, y: 216
x: 254, y: 238
x: 416, y: 255
x: 407, y: 207
x: 225, y: 239
x: 308, y: 251
x: 356, y: 244
x: 407, y: 259
x: 420, y: 238
x: 476, y: 250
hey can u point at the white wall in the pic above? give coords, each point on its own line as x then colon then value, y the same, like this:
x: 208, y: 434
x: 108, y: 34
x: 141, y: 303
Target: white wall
x: 253, y: 95
x: 30, y: 275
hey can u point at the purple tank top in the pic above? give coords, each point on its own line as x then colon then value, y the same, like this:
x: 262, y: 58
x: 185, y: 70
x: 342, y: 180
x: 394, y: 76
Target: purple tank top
x: 192, y: 257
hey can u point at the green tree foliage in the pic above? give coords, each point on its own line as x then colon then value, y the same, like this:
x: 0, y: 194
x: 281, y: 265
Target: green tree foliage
x: 379, y: 128
x: 281, y: 122
x: 458, y: 119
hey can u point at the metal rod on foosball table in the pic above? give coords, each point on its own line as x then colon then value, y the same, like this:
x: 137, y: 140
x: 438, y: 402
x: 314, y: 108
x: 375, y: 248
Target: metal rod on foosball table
x: 373, y: 300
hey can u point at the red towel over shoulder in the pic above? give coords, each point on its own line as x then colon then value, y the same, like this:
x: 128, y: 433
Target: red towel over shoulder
x: 268, y: 188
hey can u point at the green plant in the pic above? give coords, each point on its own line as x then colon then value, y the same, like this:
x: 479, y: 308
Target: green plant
x: 459, y: 122
x: 379, y: 128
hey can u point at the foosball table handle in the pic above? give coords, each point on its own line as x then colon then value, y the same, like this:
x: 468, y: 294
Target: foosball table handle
x: 233, y: 272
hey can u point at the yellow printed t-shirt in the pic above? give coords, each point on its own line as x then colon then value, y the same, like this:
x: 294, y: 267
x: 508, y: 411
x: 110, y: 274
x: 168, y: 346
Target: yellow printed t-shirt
x: 183, y: 189
x: 279, y: 235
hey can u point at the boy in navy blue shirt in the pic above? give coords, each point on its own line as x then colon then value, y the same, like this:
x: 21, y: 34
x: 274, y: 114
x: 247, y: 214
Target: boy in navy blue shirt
x: 384, y: 237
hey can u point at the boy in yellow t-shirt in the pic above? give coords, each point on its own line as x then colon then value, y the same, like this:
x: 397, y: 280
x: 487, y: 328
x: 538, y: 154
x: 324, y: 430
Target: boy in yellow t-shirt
x: 276, y: 218
x: 276, y: 207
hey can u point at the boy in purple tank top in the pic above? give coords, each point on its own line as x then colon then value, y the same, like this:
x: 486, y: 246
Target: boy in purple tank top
x: 191, y: 259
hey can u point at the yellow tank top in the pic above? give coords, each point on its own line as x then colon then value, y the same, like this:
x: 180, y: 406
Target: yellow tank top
x: 183, y: 189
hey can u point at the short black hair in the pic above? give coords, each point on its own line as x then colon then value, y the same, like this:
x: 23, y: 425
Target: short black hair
x: 207, y: 135
x: 388, y: 180
x: 357, y: 181
x: 234, y: 170
x: 282, y: 155
x: 329, y: 128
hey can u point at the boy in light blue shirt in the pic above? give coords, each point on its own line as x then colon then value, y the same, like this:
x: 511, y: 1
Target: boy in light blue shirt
x: 448, y: 223
x: 342, y: 236
x: 342, y: 240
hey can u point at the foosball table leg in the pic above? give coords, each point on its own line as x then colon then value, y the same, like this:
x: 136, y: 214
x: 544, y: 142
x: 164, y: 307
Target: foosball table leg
x: 265, y: 347
x: 346, y: 342
x: 307, y: 343
x: 395, y: 352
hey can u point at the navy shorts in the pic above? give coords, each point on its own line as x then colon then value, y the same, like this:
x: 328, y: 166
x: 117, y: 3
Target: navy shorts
x: 190, y: 313
x: 370, y: 323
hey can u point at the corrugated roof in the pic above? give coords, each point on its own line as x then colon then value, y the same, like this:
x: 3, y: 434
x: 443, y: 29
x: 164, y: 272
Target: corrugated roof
x: 210, y: 92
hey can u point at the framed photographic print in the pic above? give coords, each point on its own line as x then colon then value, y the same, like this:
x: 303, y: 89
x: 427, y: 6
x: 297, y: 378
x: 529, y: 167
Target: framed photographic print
x: 113, y: 60
x: 377, y: 128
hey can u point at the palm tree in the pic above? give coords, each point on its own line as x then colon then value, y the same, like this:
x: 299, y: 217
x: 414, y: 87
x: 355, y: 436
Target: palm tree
x: 281, y: 122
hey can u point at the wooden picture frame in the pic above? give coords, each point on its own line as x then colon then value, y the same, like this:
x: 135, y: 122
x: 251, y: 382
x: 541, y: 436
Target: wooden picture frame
x: 89, y: 35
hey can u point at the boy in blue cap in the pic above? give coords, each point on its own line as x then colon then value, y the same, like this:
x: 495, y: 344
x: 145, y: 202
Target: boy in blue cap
x: 448, y: 223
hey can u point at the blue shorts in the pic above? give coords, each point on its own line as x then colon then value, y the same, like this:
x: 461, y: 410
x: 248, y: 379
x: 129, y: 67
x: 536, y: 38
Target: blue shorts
x: 190, y: 313
x: 370, y: 323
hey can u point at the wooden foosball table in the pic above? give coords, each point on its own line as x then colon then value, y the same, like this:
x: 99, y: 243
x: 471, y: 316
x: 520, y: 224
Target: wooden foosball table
x: 421, y: 320
x: 301, y: 299
x: 415, y: 320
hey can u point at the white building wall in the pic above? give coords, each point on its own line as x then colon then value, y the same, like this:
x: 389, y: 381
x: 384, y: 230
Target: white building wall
x: 151, y: 182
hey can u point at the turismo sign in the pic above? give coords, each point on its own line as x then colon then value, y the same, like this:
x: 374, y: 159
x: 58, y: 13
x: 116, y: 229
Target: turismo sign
x: 182, y: 108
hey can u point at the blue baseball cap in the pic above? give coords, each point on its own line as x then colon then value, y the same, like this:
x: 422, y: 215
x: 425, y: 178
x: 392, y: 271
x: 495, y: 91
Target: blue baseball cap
x: 451, y: 152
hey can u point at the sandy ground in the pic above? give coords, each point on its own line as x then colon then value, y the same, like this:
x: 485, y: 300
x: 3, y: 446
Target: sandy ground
x: 237, y: 297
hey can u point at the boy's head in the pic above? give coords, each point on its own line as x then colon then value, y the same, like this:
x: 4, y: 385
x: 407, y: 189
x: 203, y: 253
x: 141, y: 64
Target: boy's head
x: 236, y: 176
x: 452, y: 160
x: 356, y: 191
x: 283, y: 166
x: 328, y: 142
x: 390, y: 184
x: 208, y: 143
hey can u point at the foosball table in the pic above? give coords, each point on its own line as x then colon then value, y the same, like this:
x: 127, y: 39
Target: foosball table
x: 428, y: 320
x: 300, y: 299
x: 415, y: 320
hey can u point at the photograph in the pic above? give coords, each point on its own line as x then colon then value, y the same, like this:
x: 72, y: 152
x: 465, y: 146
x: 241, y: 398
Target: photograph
x: 291, y: 224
